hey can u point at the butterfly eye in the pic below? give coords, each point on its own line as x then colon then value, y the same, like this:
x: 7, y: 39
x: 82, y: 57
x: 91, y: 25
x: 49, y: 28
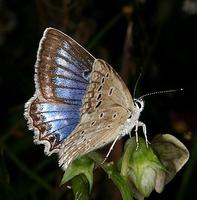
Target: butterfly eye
x: 138, y: 104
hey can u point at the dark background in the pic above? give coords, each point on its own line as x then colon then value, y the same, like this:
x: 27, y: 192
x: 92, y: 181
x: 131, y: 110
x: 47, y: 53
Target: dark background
x: 163, y: 47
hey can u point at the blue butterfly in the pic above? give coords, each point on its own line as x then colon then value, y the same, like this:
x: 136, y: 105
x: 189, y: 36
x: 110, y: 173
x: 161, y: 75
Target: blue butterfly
x: 80, y: 103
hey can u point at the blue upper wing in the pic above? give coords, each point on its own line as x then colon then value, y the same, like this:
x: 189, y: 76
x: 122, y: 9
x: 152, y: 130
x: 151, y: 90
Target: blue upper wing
x: 62, y: 76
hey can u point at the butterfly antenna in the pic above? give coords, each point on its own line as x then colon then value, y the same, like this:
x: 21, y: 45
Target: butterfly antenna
x: 136, y: 84
x: 161, y: 92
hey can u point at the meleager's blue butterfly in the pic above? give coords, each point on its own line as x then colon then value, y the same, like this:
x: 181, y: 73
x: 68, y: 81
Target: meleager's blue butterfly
x: 80, y: 103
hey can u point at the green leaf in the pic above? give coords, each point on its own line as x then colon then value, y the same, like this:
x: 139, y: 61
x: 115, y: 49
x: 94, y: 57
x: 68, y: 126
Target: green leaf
x: 83, y: 165
x: 120, y: 181
x: 79, y: 187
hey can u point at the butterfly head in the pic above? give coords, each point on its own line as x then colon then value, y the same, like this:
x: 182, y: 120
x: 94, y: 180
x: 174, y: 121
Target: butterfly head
x: 139, y: 104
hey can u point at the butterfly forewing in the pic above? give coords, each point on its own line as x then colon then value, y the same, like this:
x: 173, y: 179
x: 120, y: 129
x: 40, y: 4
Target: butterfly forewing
x: 62, y: 76
x: 61, y: 68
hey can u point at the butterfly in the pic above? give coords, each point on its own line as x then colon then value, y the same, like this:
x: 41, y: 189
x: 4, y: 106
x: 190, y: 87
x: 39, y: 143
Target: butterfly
x: 80, y: 102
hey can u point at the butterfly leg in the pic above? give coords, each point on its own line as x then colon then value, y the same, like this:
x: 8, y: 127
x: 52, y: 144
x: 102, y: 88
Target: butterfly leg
x: 144, y: 131
x: 136, y: 135
x: 112, y: 146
